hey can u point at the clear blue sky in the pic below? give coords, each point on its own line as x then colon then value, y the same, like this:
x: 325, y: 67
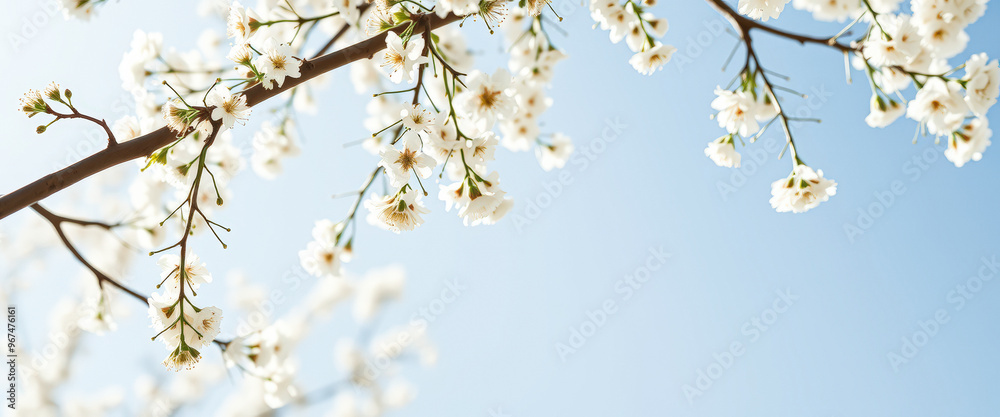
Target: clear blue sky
x: 855, y: 297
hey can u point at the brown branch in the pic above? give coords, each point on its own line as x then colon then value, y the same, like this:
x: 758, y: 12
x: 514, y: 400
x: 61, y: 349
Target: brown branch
x: 744, y: 25
x: 56, y: 221
x: 146, y: 144
x: 77, y: 115
x: 343, y: 30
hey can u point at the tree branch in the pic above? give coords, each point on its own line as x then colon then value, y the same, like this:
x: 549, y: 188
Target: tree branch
x: 146, y: 144
x: 744, y: 25
x: 57, y: 222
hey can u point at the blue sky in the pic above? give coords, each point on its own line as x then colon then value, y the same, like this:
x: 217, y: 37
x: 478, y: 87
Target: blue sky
x: 847, y: 301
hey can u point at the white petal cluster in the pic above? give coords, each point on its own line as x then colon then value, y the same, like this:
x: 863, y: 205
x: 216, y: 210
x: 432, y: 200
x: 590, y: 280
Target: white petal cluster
x: 640, y: 30
x: 722, y: 151
x: 739, y: 111
x: 396, y: 213
x: 969, y: 142
x: 939, y: 105
x: 400, y: 61
x: 801, y: 191
x: 183, y: 327
x: 761, y: 9
x: 324, y: 255
x: 488, y: 98
x: 982, y: 83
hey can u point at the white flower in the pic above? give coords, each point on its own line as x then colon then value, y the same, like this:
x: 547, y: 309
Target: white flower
x: 401, y: 61
x: 348, y: 10
x: 652, y: 59
x: 616, y: 19
x: 498, y: 213
x: 194, y: 270
x: 321, y: 259
x: 416, y: 118
x: 969, y: 143
x: 762, y: 9
x: 737, y: 111
x: 481, y: 150
x: 943, y: 39
x: 555, y: 154
x: 802, y: 190
x: 474, y: 202
x: 400, y: 212
x: 486, y: 99
x: 399, y: 163
x: 77, y: 10
x: 899, y: 48
x: 982, y: 83
x: 163, y: 312
x: 241, y: 54
x: 228, y: 107
x: 240, y: 22
x: 459, y: 7
x: 146, y: 46
x: 882, y: 113
x: 206, y: 324
x: 828, y: 10
x: 132, y: 72
x: 722, y: 151
x: 182, y: 357
x: 277, y: 63
x: 519, y: 133
x: 938, y: 105
x: 126, y: 129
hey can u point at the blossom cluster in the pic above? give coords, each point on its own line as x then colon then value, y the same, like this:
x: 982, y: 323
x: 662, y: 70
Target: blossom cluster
x: 639, y: 28
x: 896, y: 51
x: 182, y: 326
x: 266, y: 354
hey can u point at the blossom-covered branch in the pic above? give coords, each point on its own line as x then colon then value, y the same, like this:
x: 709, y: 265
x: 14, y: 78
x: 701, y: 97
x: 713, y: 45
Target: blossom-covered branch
x: 146, y: 144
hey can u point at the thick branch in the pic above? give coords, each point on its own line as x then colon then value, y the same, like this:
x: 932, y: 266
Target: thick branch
x: 146, y: 144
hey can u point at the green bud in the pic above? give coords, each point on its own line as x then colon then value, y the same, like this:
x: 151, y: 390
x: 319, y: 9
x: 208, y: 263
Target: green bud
x: 40, y: 129
x: 69, y: 94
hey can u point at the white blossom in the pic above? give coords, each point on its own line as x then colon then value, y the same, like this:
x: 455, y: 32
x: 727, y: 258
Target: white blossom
x: 939, y: 105
x: 982, y: 83
x: 401, y: 61
x: 722, y: 151
x: 804, y: 189
x: 969, y: 142
x: 276, y: 63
